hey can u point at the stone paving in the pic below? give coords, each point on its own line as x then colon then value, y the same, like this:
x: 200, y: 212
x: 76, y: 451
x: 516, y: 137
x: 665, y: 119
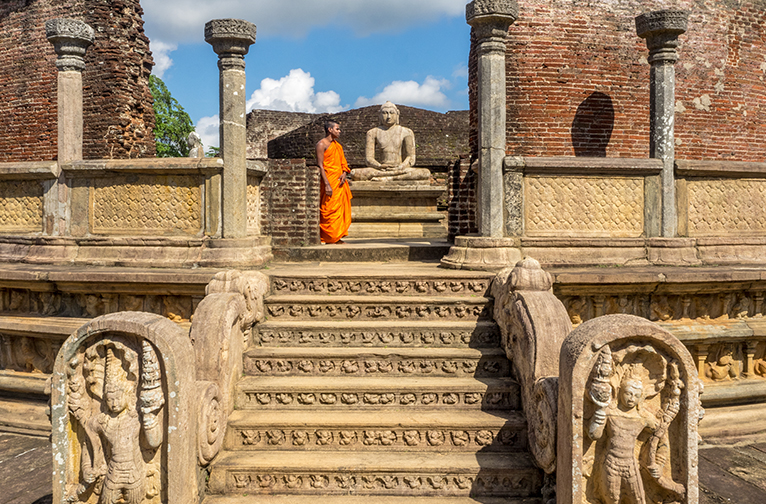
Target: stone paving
x: 729, y: 474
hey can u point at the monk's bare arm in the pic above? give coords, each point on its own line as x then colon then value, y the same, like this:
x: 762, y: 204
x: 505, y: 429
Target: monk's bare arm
x: 322, y: 146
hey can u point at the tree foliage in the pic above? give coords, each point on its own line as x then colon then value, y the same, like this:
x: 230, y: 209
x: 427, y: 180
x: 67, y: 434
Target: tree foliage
x: 172, y: 123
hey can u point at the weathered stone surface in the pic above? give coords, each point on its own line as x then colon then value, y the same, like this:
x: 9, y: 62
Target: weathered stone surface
x: 120, y: 418
x: 397, y: 146
x: 231, y: 40
x: 620, y: 376
x: 70, y: 39
x: 533, y: 325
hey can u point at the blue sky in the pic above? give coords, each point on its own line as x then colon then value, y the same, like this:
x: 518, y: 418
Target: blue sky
x: 313, y: 56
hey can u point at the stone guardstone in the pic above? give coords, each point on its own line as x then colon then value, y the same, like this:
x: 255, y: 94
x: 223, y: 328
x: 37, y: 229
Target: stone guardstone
x: 628, y: 413
x: 482, y: 253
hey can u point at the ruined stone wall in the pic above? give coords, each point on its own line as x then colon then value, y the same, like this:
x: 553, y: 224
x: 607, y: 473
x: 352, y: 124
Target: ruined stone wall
x: 440, y: 138
x: 290, y: 203
x: 118, y: 115
x: 578, y: 80
x: 266, y: 125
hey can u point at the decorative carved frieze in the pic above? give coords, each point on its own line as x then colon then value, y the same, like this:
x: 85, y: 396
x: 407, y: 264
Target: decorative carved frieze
x: 487, y: 483
x: 364, y: 438
x: 502, y: 399
x: 483, y: 336
x: 353, y: 311
x: 176, y: 308
x: 726, y: 207
x: 667, y: 307
x: 403, y: 287
x: 491, y: 366
x: 28, y: 355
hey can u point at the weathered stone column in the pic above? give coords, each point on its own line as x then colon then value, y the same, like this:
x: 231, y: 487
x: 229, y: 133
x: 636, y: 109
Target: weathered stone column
x: 490, y: 20
x: 661, y: 30
x: 491, y: 250
x: 70, y: 39
x: 231, y: 40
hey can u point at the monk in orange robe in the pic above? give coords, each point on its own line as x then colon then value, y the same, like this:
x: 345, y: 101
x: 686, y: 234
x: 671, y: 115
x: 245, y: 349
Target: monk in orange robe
x: 335, y: 207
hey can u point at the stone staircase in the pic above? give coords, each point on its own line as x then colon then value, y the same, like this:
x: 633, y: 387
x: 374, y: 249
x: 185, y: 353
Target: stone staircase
x: 385, y: 384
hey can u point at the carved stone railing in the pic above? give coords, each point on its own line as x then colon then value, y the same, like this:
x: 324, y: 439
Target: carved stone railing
x: 139, y: 404
x: 616, y: 386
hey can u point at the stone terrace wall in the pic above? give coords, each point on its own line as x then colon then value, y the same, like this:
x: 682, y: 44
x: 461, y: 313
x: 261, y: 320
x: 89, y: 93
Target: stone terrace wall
x: 578, y: 80
x: 440, y: 138
x: 118, y: 114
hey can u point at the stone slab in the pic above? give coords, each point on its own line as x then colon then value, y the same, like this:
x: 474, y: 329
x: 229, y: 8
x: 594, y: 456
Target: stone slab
x: 361, y: 250
x: 25, y: 468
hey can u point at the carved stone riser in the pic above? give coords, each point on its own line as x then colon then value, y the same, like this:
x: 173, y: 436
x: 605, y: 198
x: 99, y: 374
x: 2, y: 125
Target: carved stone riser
x: 662, y: 308
x: 28, y: 355
x: 471, y: 440
x: 487, y: 367
x: 176, y: 308
x: 251, y: 399
x: 378, y: 311
x: 389, y: 287
x: 490, y: 483
x: 485, y: 335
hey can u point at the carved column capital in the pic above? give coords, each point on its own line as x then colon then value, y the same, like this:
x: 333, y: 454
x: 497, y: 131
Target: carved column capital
x: 231, y: 40
x: 661, y: 30
x: 490, y: 20
x: 70, y: 39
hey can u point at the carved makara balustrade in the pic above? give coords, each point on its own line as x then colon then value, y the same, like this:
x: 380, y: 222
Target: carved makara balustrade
x: 612, y: 406
x: 139, y: 403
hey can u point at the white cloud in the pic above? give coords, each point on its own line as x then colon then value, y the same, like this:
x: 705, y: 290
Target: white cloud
x: 184, y: 20
x: 411, y: 93
x: 460, y: 71
x: 294, y: 93
x: 161, y: 53
x: 207, y: 129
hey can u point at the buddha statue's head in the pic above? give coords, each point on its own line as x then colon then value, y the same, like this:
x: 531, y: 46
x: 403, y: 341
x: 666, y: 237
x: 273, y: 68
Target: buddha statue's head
x: 389, y: 114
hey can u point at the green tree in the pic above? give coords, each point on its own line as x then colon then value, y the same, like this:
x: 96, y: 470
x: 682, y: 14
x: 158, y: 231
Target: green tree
x: 172, y: 123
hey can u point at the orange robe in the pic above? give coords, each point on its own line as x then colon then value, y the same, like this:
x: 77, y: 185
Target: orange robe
x: 335, y: 211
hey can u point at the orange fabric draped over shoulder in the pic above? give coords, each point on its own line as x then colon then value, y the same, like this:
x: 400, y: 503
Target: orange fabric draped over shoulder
x: 335, y: 211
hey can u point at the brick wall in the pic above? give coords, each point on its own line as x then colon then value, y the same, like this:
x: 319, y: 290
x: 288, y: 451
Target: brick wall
x: 266, y: 125
x: 290, y: 203
x: 461, y: 199
x: 440, y: 138
x: 118, y: 115
x: 578, y: 80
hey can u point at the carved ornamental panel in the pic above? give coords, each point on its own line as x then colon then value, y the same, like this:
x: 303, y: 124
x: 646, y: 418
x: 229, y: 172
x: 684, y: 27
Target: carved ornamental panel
x: 21, y: 206
x: 727, y: 207
x: 147, y: 204
x: 584, y: 206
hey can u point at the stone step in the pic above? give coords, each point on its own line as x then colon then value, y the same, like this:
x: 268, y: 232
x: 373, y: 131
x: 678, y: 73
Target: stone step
x: 367, y: 250
x: 326, y: 393
x: 24, y: 415
x: 338, y: 308
x: 389, y: 333
x: 394, y: 362
x: 469, y: 430
x: 359, y: 499
x: 391, y: 284
x: 411, y: 474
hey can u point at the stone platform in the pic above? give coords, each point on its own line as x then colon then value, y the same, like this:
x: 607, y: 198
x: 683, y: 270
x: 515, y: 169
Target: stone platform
x: 363, y: 250
x: 396, y: 210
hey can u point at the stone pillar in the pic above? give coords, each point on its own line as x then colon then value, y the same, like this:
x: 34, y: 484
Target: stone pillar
x: 491, y: 250
x: 231, y: 40
x: 490, y: 20
x: 70, y: 39
x: 661, y: 30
